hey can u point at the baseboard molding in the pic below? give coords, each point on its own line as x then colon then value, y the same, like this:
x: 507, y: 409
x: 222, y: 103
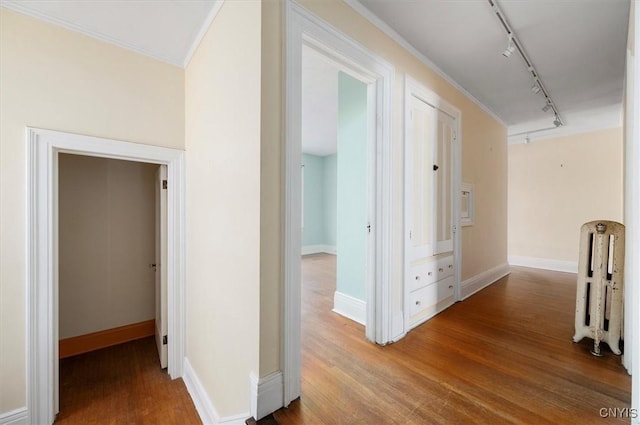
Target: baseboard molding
x: 94, y: 341
x: 204, y: 406
x: 318, y: 249
x: 544, y: 263
x: 14, y: 417
x: 484, y: 279
x: 350, y: 307
x: 267, y: 394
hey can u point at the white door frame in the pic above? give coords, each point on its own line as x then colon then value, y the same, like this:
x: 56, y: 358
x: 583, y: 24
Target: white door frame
x: 414, y: 88
x: 43, y: 147
x: 304, y: 28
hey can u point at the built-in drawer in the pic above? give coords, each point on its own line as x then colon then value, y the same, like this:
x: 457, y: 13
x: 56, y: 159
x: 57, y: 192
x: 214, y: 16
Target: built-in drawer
x: 423, y: 275
x: 430, y: 295
x: 444, y: 267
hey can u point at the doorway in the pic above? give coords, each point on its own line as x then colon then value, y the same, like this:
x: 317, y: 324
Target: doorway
x: 304, y: 29
x: 43, y: 256
x: 337, y: 140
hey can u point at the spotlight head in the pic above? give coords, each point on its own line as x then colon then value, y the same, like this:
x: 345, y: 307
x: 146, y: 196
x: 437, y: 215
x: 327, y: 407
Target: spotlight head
x: 557, y: 121
x: 535, y: 88
x: 508, y: 51
x: 546, y: 108
x: 527, y: 140
x: 510, y: 47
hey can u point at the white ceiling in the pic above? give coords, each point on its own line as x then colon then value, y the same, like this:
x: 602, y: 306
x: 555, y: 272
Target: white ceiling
x: 319, y: 104
x: 577, y: 46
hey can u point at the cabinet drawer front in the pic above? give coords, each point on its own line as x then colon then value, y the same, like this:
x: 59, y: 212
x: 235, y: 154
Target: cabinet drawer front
x: 445, y: 289
x: 444, y: 267
x: 430, y: 295
x: 423, y: 275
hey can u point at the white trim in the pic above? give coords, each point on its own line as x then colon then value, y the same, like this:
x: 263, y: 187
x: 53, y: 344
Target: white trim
x: 43, y: 147
x: 544, y: 263
x: 14, y: 417
x: 266, y: 394
x: 482, y: 280
x: 304, y: 28
x: 350, y: 307
x: 203, y: 31
x: 390, y: 32
x: 202, y: 402
x: 318, y: 249
x: 576, y: 123
x: 631, y: 359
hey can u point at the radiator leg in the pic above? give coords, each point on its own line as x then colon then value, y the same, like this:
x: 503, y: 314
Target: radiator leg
x: 596, y: 347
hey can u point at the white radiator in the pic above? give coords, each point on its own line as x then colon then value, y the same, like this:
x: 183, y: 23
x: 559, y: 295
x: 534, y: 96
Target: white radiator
x: 600, y: 284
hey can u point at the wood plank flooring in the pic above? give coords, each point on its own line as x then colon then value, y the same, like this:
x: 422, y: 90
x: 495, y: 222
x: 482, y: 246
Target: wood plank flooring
x: 122, y: 384
x: 503, y: 356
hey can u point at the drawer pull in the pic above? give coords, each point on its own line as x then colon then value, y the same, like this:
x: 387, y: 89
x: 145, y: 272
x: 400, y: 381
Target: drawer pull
x: 429, y: 273
x: 450, y: 266
x: 440, y: 269
x: 417, y: 277
x: 450, y: 286
x: 418, y: 302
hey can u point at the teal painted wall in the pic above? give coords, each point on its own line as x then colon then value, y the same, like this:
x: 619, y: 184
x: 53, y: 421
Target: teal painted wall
x: 330, y: 198
x: 313, y: 227
x: 351, y: 242
x: 319, y: 200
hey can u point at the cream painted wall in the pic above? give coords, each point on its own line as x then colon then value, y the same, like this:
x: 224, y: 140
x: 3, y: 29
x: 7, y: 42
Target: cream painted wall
x: 558, y: 184
x: 223, y: 206
x: 106, y: 243
x: 484, y: 163
x: 56, y: 79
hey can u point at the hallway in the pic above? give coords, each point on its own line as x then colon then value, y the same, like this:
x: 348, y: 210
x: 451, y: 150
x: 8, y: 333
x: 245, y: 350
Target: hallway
x: 502, y: 356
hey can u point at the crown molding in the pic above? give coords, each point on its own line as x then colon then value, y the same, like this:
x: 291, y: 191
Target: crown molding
x: 201, y: 33
x: 181, y: 62
x: 385, y: 28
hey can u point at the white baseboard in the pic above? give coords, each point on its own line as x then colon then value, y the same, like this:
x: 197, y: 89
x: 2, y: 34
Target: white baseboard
x: 204, y: 406
x: 544, y: 263
x: 267, y: 394
x: 14, y: 417
x: 318, y: 249
x: 482, y: 280
x: 350, y: 307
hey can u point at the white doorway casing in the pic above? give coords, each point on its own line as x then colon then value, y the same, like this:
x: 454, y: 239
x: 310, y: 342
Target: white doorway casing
x: 43, y: 147
x: 305, y: 29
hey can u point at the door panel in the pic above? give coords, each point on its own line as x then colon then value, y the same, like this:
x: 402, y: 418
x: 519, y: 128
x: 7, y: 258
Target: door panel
x: 161, y: 269
x: 443, y: 178
x: 422, y: 132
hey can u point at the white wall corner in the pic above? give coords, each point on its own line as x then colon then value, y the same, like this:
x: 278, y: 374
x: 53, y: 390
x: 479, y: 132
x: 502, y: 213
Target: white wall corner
x: 544, y: 263
x: 267, y: 394
x: 14, y: 417
x: 482, y: 280
x: 350, y: 307
x: 318, y: 249
x: 204, y: 406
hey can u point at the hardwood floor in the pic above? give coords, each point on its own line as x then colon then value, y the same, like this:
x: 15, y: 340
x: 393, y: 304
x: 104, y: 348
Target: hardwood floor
x: 503, y: 356
x: 122, y: 384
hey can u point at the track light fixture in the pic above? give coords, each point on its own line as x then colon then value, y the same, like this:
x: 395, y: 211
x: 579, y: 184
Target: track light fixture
x: 510, y: 47
x: 513, y: 44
